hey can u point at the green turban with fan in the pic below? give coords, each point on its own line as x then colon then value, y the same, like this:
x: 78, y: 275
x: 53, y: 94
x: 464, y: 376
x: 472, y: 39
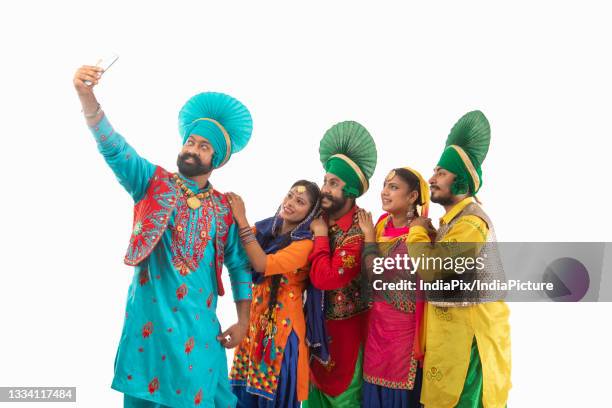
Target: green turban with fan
x: 348, y: 151
x: 219, y: 118
x: 466, y: 148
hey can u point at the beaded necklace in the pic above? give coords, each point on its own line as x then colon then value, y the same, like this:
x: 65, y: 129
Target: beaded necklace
x: 194, y: 201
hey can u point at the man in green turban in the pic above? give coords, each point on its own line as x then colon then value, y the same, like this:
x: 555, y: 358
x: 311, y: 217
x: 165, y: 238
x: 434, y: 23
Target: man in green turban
x: 466, y: 149
x: 348, y: 154
x: 467, y: 339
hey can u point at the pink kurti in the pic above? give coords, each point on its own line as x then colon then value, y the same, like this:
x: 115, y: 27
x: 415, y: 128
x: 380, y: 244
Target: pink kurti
x: 392, y: 348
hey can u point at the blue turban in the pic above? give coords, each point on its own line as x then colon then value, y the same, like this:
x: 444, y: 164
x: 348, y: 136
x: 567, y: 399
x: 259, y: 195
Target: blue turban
x: 221, y: 119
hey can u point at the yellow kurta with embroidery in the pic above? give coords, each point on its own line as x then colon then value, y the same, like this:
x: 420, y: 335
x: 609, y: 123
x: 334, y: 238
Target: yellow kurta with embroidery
x: 449, y: 331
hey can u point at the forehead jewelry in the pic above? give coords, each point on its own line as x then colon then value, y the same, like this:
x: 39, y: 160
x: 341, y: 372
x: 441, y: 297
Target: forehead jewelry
x: 300, y: 189
x: 390, y: 175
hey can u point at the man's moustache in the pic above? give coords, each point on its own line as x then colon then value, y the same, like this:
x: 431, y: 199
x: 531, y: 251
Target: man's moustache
x: 195, y: 158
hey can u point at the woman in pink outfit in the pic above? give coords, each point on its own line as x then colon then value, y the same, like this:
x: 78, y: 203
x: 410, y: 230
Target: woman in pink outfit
x: 392, y: 357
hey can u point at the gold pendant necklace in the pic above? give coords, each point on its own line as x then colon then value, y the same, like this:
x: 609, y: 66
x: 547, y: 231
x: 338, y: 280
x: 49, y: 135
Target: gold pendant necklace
x: 194, y: 201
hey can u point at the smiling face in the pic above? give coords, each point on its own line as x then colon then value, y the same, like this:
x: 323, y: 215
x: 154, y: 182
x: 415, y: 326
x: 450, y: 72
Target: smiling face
x: 440, y: 185
x: 397, y: 196
x: 332, y: 196
x: 195, y: 158
x: 296, y: 205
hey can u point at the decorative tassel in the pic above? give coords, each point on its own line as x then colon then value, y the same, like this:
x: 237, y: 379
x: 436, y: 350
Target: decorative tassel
x: 267, y: 353
x: 260, y: 345
x: 273, y: 350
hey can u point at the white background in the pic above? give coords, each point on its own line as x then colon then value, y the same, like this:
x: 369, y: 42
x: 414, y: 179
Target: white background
x: 540, y: 71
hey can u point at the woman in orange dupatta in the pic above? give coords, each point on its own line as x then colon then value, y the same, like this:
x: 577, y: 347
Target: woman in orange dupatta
x: 270, y: 368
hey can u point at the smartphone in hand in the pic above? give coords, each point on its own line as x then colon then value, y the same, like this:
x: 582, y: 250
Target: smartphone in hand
x: 104, y: 63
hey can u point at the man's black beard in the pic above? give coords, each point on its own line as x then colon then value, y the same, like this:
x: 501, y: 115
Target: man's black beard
x: 197, y: 168
x: 337, y: 203
x: 443, y: 201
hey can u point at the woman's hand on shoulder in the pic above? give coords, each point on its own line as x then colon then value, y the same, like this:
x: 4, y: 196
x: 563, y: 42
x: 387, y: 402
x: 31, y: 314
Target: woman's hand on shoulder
x: 238, y: 209
x: 367, y: 225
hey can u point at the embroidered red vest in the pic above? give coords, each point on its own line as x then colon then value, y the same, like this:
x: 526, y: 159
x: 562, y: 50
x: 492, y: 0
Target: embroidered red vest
x: 152, y: 214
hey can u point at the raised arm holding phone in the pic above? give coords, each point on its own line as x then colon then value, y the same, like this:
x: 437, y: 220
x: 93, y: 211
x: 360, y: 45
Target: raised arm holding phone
x: 172, y: 348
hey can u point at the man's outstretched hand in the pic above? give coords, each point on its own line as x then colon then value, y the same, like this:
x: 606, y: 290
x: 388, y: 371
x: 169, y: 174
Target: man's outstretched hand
x: 89, y: 103
x: 86, y: 73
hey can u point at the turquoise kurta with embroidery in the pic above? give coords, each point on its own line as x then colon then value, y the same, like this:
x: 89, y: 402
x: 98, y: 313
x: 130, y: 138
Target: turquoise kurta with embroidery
x: 168, y: 352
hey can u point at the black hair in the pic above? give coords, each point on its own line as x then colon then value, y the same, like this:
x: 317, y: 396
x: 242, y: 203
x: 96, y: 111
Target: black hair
x: 412, y: 181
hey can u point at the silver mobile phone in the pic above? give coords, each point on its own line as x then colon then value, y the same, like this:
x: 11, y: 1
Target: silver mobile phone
x: 104, y: 63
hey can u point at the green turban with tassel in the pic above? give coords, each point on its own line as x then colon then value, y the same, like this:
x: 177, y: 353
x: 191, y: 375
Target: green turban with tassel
x: 466, y: 148
x: 348, y: 151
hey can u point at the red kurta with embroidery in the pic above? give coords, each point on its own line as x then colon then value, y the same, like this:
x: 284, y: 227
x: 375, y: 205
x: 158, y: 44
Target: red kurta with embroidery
x: 335, y: 268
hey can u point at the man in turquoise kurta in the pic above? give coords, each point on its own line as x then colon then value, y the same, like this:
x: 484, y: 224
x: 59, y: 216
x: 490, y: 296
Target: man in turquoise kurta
x: 171, y: 351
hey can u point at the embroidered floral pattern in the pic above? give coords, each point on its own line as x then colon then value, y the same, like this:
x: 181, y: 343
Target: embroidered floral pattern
x: 443, y: 313
x: 433, y: 374
x: 399, y: 301
x: 153, y: 385
x: 197, y: 400
x: 151, y: 217
x: 347, y: 301
x: 147, y: 329
x: 189, y: 344
x: 168, y: 317
x: 398, y: 385
x: 223, y: 218
x: 143, y: 276
x: 348, y: 261
x: 257, y: 360
x: 185, y: 236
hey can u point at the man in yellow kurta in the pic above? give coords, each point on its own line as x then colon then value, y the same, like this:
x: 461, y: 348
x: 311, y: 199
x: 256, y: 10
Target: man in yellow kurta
x: 467, y: 336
